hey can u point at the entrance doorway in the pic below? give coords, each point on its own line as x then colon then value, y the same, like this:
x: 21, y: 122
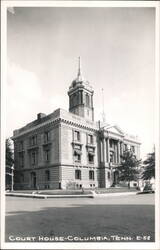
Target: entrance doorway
x: 33, y: 180
x: 115, y: 178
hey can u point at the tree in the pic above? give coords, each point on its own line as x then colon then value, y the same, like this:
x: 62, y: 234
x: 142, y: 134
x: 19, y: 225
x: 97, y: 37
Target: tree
x: 9, y: 164
x: 149, y: 167
x: 129, y: 167
x: 9, y: 153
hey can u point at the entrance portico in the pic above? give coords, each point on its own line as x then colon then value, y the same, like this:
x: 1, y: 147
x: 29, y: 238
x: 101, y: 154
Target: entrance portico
x: 111, y: 149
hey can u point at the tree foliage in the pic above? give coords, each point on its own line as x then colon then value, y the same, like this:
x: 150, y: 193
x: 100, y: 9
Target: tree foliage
x: 129, y: 168
x: 149, y: 167
x: 9, y: 153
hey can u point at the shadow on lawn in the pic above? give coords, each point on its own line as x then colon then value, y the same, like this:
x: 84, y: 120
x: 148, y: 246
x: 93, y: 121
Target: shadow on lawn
x: 83, y: 221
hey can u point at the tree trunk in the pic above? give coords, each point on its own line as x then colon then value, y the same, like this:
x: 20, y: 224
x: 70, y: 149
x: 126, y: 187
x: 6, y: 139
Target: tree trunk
x: 129, y: 185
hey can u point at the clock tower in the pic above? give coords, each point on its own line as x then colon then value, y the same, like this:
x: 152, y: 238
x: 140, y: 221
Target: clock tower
x: 81, y: 97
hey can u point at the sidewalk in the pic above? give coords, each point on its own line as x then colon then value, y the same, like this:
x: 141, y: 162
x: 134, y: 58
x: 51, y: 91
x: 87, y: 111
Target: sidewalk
x: 92, y: 194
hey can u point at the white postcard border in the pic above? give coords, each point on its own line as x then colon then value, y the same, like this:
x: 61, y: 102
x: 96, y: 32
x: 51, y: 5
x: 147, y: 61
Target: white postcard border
x: 95, y: 245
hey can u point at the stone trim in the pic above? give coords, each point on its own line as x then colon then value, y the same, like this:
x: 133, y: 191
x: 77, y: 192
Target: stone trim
x: 56, y: 165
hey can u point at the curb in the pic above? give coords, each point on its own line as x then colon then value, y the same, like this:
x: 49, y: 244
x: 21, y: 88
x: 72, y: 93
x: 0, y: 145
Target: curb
x: 92, y: 195
x: 114, y: 194
x: 41, y: 196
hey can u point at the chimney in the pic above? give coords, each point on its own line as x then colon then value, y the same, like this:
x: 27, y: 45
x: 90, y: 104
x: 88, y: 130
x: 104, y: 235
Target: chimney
x: 40, y: 115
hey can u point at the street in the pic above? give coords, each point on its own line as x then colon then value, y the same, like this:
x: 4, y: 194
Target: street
x: 127, y: 218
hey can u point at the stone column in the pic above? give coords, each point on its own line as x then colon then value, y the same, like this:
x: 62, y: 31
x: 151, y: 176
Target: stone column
x: 121, y: 147
x: 118, y: 151
x: 91, y: 101
x: 138, y: 152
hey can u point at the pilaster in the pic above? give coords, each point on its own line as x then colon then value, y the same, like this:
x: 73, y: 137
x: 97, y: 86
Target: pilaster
x: 108, y: 150
x: 104, y: 150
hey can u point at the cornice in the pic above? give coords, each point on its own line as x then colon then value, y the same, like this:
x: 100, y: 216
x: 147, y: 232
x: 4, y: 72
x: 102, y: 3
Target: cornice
x: 37, y: 128
x: 69, y: 122
x: 132, y: 140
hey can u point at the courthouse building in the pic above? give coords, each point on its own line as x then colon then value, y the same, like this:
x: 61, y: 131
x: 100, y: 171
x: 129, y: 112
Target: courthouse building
x: 68, y: 149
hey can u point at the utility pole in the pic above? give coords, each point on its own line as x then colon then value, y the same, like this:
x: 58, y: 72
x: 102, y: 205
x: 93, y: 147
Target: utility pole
x: 12, y: 177
x: 103, y: 113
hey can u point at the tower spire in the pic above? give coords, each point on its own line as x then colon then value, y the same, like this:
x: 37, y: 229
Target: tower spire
x: 79, y: 66
x: 79, y: 75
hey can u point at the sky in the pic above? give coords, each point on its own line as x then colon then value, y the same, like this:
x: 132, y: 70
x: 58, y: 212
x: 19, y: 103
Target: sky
x: 116, y: 46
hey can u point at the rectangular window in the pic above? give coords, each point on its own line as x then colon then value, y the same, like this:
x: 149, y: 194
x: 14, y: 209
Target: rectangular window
x: 77, y: 157
x: 76, y: 136
x: 47, y: 175
x: 90, y: 157
x: 91, y: 154
x: 47, y: 155
x: 33, y: 158
x: 21, y: 146
x: 78, y: 174
x: 21, y: 159
x: 90, y: 139
x: 91, y: 175
x: 77, y: 153
x: 33, y: 140
x: 46, y: 137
